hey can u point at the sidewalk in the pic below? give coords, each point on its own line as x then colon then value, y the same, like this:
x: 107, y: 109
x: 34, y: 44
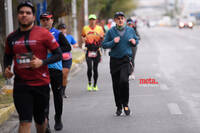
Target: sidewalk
x: 8, y: 115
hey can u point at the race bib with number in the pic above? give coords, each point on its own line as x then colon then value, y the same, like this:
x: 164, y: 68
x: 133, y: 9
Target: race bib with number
x: 66, y: 56
x: 23, y: 60
x: 92, y: 54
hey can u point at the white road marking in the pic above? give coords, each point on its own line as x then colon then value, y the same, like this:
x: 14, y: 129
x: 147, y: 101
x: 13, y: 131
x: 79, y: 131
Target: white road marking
x: 196, y: 95
x: 164, y: 87
x: 174, y: 109
x: 194, y: 38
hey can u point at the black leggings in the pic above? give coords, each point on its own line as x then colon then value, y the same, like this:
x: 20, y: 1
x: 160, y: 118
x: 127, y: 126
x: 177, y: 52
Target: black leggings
x: 134, y: 50
x: 56, y: 85
x: 92, y: 64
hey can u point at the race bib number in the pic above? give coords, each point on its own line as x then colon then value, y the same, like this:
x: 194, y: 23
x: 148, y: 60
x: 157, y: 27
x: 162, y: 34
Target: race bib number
x: 23, y: 60
x: 92, y: 54
x: 66, y: 56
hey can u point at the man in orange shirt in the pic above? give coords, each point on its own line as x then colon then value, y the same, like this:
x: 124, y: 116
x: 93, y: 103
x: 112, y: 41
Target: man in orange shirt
x: 92, y: 36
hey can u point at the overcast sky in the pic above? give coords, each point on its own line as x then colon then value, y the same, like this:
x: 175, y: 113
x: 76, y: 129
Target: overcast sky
x: 150, y: 8
x: 156, y: 8
x: 150, y: 2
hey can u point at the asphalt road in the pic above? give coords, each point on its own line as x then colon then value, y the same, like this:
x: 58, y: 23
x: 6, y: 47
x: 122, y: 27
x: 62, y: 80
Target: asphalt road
x: 168, y: 55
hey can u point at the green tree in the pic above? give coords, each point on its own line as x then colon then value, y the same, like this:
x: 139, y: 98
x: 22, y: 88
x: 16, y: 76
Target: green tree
x: 107, y: 8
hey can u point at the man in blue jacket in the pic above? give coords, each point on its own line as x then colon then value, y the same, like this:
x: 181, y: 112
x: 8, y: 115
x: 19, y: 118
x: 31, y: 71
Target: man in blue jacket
x: 120, y: 39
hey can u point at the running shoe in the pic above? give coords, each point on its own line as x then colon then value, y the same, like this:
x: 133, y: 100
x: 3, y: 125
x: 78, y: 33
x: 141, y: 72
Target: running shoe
x: 132, y: 77
x: 127, y: 111
x: 58, y: 123
x: 118, y: 112
x: 95, y: 88
x: 89, y: 87
x: 65, y: 96
x: 48, y: 130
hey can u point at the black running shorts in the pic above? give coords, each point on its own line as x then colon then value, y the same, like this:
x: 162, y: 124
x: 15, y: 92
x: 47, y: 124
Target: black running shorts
x: 31, y: 101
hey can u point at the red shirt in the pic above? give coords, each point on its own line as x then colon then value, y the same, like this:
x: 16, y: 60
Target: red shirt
x: 40, y: 40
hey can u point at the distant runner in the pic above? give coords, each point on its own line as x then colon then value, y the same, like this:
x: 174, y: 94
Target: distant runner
x: 67, y: 57
x: 133, y: 25
x: 92, y: 35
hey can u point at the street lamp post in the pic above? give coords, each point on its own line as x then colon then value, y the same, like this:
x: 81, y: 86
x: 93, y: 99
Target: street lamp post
x: 74, y: 14
x: 8, y: 15
x: 86, y: 11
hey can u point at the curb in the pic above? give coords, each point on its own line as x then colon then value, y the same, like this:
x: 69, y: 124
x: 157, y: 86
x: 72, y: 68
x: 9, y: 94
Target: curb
x: 78, y: 60
x: 7, y: 89
x: 6, y: 112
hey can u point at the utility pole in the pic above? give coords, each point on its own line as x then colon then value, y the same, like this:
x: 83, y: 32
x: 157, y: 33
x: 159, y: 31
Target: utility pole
x: 166, y: 6
x: 8, y: 15
x: 86, y: 11
x: 74, y: 17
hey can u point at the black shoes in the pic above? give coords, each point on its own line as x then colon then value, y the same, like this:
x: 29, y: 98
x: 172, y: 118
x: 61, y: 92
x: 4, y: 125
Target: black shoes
x: 119, y: 111
x: 48, y: 130
x: 58, y: 123
x: 63, y: 93
x: 127, y: 111
x: 65, y: 96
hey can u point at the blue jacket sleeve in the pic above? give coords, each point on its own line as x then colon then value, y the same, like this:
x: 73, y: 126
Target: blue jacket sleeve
x: 108, y: 41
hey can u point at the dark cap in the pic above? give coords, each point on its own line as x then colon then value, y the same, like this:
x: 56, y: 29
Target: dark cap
x: 62, y: 26
x: 117, y: 14
x: 26, y: 3
x: 46, y: 15
x: 129, y: 21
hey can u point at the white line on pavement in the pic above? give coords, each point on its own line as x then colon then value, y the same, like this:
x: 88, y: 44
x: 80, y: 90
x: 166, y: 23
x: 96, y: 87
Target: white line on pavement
x: 174, y: 109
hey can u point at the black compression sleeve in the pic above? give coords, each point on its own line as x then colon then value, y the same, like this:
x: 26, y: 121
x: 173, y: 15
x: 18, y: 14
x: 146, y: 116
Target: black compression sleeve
x: 56, y: 56
x: 7, y: 60
x: 64, y: 44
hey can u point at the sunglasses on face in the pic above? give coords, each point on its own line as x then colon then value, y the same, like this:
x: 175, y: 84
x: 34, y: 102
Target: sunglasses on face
x: 27, y: 3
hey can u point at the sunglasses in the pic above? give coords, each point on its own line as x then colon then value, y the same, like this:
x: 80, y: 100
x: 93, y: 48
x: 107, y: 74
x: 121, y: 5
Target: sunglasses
x: 27, y: 3
x: 46, y: 15
x: 119, y: 13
